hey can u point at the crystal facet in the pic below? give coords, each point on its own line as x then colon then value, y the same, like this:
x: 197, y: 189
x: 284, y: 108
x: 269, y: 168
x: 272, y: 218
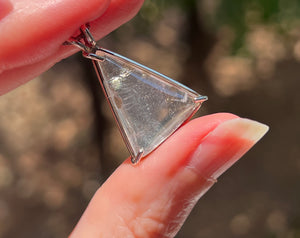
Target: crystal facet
x: 148, y: 106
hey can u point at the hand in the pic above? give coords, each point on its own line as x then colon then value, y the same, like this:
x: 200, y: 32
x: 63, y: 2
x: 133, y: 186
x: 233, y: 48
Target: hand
x: 33, y: 31
x: 153, y: 198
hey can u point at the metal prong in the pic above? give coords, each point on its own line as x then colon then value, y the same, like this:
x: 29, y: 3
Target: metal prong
x: 76, y: 43
x: 89, y: 39
x: 138, y: 157
x: 200, y: 99
x: 84, y: 41
x: 92, y: 56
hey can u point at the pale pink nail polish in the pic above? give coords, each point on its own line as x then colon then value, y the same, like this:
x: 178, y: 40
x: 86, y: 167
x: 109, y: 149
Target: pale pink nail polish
x: 222, y: 147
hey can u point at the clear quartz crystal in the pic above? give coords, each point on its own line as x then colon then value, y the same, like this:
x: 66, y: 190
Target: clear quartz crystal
x: 148, y: 106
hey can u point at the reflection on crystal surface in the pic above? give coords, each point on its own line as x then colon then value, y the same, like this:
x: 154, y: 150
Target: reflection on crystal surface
x: 149, y: 106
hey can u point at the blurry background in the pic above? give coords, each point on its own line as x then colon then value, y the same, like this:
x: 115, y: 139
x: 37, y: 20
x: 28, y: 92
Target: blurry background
x: 58, y: 141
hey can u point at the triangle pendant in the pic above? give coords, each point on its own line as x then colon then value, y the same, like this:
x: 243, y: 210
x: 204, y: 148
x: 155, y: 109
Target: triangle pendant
x: 147, y: 105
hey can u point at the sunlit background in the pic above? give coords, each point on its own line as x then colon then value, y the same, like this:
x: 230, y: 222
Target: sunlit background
x: 58, y: 141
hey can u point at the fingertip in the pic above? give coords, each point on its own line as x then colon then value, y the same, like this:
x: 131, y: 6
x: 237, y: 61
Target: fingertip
x: 118, y: 12
x: 225, y: 145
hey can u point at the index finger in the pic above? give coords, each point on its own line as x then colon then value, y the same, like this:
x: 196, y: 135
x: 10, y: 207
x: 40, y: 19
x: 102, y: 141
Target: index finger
x: 153, y: 198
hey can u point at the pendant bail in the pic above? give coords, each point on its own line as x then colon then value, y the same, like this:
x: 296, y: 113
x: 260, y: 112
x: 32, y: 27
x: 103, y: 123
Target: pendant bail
x: 84, y: 41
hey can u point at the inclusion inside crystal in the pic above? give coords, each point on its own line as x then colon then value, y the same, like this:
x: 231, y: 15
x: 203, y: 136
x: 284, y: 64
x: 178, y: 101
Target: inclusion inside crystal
x: 148, y: 106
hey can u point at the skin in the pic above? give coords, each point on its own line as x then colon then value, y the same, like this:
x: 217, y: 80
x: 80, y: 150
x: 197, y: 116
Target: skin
x: 38, y: 47
x: 153, y: 198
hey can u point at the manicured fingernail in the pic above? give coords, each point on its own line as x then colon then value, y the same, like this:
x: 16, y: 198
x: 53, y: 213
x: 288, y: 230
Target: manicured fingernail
x: 227, y: 143
x: 5, y: 8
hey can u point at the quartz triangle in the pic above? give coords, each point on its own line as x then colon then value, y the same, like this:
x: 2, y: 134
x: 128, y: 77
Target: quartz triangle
x: 147, y: 105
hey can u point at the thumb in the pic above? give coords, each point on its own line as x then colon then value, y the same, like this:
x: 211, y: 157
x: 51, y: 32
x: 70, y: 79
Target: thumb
x: 33, y: 32
x: 154, y: 198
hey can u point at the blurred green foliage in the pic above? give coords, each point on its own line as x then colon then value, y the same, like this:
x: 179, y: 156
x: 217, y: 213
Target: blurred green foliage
x: 239, y: 15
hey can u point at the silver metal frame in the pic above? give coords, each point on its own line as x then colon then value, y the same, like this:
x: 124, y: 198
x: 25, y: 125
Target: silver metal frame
x: 89, y: 47
x: 134, y: 158
x: 200, y: 99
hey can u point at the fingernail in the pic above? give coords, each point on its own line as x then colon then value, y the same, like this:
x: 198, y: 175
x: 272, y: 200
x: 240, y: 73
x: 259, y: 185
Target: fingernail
x: 5, y: 8
x: 226, y: 144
